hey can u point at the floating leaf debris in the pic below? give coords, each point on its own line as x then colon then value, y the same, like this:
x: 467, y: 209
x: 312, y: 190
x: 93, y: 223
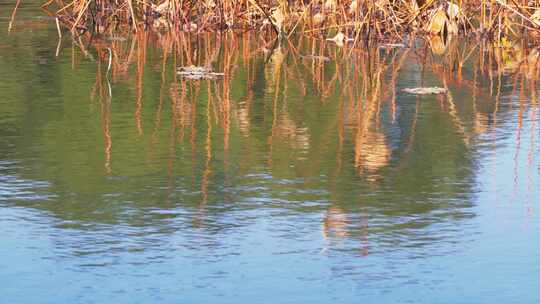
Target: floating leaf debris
x: 198, y: 72
x: 425, y: 91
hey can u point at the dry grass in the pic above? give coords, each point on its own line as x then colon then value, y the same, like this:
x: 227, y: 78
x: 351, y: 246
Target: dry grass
x: 341, y: 20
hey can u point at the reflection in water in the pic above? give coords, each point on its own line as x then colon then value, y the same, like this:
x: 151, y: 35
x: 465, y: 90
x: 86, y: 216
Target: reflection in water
x: 303, y: 153
x: 359, y: 113
x: 277, y: 91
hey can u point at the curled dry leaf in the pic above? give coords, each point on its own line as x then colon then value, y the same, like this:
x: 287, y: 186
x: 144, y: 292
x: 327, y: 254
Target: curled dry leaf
x: 339, y: 38
x: 437, y: 22
x: 278, y: 18
x: 330, y: 5
x: 536, y: 17
x: 318, y: 19
x: 440, y: 22
x: 415, y: 9
x: 353, y: 7
x: 452, y: 27
x: 453, y: 10
x: 162, y: 8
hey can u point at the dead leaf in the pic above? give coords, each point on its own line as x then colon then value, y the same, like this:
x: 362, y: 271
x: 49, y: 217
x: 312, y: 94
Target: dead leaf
x: 318, y: 19
x: 353, y: 7
x: 453, y: 10
x: 437, y: 22
x: 536, y: 17
x: 339, y: 39
x: 330, y: 5
x: 163, y: 7
x: 452, y: 27
x: 278, y: 17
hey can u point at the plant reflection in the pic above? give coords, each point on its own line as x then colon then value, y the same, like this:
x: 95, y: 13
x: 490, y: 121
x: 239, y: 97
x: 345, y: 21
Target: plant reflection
x: 293, y: 119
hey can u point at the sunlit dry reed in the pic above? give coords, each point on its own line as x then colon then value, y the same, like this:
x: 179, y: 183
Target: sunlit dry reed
x: 345, y: 21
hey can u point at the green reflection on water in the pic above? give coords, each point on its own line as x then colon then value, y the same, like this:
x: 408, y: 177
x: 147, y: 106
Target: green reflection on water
x: 300, y: 125
x: 303, y: 158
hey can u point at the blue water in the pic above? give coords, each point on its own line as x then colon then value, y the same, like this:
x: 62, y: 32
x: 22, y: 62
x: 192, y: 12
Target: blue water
x: 273, y: 185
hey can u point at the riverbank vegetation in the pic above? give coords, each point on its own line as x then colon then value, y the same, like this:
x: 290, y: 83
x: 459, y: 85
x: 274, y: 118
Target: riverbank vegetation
x: 340, y: 20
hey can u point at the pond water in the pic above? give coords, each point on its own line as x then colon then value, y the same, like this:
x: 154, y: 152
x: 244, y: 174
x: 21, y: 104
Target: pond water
x: 304, y: 175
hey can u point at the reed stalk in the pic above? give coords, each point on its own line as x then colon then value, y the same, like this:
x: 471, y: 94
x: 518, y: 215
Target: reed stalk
x: 339, y: 20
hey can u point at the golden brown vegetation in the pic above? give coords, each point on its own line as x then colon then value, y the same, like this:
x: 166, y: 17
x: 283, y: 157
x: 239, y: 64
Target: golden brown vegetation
x: 338, y: 20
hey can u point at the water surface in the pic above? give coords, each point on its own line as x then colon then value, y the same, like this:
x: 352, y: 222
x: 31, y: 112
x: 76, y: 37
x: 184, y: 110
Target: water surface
x: 305, y: 175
